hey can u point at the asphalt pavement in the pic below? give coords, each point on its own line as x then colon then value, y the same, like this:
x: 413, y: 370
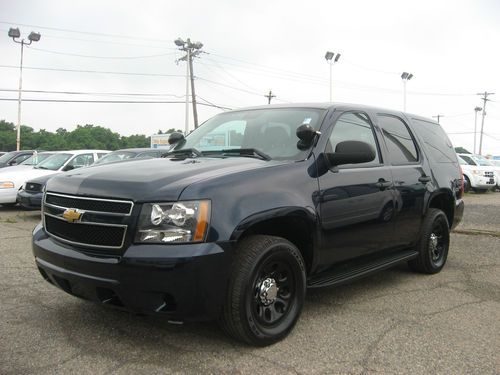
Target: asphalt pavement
x: 395, y: 322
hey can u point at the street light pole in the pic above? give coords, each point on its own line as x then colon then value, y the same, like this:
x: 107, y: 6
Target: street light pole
x: 405, y: 76
x: 485, y: 99
x: 477, y: 109
x: 192, y: 49
x: 331, y: 58
x: 33, y: 37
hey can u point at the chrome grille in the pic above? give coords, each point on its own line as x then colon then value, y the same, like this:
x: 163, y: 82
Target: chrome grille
x: 89, y: 222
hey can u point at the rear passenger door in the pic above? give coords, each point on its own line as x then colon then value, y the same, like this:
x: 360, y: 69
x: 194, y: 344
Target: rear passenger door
x: 408, y: 176
x: 356, y: 200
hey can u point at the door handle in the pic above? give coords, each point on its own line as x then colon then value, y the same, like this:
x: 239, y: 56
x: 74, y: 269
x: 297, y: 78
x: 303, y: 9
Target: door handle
x: 424, y: 179
x: 382, y: 184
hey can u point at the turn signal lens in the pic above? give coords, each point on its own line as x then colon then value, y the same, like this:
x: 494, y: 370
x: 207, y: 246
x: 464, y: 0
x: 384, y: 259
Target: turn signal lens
x: 6, y: 185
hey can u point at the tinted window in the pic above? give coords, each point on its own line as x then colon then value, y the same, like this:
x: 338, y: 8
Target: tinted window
x: 468, y: 160
x: 353, y: 126
x: 20, y: 158
x: 436, y: 141
x: 402, y: 149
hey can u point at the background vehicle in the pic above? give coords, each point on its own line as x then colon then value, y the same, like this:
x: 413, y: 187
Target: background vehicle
x: 249, y: 210
x: 14, y: 158
x: 130, y: 153
x: 479, y: 174
x: 11, y: 182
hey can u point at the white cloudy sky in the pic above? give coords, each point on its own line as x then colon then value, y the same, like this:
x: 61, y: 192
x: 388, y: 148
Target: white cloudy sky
x: 451, y: 47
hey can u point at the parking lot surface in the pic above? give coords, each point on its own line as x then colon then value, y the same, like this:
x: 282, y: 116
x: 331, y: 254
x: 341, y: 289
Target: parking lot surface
x: 393, y: 322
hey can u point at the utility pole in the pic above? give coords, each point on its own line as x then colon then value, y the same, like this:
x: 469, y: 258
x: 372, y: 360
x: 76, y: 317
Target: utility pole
x: 476, y: 110
x: 485, y: 99
x: 33, y: 37
x: 438, y: 117
x: 192, y: 49
x: 269, y: 97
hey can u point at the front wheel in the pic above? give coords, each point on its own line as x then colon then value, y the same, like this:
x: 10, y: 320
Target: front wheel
x: 433, y: 244
x: 266, y: 290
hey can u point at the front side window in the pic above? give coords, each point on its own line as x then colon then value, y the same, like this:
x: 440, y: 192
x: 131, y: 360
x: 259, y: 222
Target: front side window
x: 271, y: 131
x: 353, y: 126
x: 400, y: 143
x: 83, y: 160
x: 468, y: 160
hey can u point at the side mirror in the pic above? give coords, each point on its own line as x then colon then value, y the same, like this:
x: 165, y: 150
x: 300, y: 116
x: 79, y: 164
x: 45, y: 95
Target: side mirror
x: 306, y: 135
x: 68, y: 168
x: 175, y: 137
x: 13, y: 162
x: 351, y: 152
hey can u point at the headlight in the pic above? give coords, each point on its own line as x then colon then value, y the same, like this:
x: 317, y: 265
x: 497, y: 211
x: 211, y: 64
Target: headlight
x: 6, y: 185
x: 173, y: 222
x: 477, y: 171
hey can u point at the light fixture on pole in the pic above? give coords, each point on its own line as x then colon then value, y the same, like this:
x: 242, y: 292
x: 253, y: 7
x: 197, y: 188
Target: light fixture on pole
x: 405, y: 76
x: 192, y: 49
x: 15, y: 34
x: 476, y: 110
x: 331, y: 58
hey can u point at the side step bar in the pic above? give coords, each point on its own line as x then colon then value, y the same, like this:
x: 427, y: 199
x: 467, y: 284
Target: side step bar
x: 345, y: 274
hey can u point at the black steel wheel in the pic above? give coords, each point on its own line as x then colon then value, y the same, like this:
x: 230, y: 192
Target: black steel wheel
x: 266, y: 290
x: 433, y: 244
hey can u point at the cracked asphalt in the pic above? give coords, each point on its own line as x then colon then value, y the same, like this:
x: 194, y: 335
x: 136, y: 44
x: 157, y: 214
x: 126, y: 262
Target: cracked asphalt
x: 395, y: 322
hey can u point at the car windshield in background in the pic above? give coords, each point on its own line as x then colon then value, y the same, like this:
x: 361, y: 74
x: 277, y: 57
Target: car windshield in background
x: 5, y: 158
x: 116, y: 156
x: 270, y: 131
x: 36, y: 159
x: 468, y: 160
x: 54, y: 162
x: 482, y: 162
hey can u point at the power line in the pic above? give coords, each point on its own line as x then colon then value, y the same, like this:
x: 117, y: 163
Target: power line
x: 93, y: 71
x: 109, y: 101
x: 102, y: 57
x: 92, y: 93
x: 85, y: 32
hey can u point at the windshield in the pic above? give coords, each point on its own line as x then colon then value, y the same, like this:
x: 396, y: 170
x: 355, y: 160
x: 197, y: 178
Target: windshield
x: 5, y: 158
x: 468, y: 160
x: 482, y: 161
x: 54, y: 162
x: 116, y: 156
x: 36, y: 159
x: 271, y: 131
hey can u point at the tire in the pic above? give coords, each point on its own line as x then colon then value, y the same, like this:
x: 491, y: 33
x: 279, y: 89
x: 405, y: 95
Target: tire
x: 433, y: 244
x: 467, y: 184
x: 266, y: 291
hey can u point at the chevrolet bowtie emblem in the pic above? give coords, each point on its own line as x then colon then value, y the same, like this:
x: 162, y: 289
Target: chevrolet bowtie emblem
x: 72, y: 215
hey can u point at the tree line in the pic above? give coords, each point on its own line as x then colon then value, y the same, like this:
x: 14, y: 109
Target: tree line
x: 83, y: 137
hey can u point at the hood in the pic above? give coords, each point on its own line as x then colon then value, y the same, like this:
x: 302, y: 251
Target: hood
x: 146, y: 180
x: 21, y: 174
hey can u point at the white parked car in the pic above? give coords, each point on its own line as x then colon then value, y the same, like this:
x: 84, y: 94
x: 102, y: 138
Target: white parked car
x: 479, y: 175
x: 11, y: 180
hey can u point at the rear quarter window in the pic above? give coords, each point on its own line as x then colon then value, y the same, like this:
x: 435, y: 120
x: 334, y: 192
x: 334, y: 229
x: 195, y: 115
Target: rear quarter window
x: 437, y: 144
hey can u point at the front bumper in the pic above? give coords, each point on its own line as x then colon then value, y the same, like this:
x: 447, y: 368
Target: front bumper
x: 482, y: 182
x: 30, y: 200
x: 8, y: 195
x: 183, y: 282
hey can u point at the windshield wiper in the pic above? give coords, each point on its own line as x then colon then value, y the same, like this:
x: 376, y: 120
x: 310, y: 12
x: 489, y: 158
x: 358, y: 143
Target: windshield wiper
x: 185, y: 152
x: 39, y: 167
x: 247, y: 152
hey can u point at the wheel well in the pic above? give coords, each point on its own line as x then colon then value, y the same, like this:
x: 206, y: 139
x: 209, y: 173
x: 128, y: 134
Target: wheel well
x: 295, y: 229
x: 445, y: 203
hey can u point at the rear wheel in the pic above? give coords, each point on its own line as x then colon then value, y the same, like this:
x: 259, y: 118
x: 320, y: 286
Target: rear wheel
x: 266, y: 290
x: 433, y: 244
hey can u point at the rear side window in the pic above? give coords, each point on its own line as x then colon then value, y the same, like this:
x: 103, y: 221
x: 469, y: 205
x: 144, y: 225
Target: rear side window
x: 400, y: 143
x: 436, y: 141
